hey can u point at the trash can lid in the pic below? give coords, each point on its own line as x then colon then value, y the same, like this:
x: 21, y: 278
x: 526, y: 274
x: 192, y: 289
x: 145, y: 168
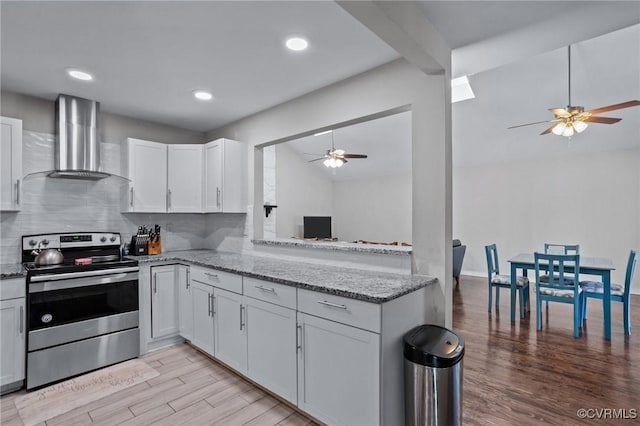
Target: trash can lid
x: 433, y: 346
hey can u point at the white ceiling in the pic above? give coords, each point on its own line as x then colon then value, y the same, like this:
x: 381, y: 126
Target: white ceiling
x: 149, y: 56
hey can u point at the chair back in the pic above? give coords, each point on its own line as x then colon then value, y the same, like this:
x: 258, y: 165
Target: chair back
x: 558, y: 267
x: 492, y: 260
x: 561, y: 248
x: 631, y: 269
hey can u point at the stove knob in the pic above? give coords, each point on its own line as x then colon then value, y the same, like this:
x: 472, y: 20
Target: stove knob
x: 32, y: 243
x: 103, y: 239
x: 45, y: 242
x: 112, y: 239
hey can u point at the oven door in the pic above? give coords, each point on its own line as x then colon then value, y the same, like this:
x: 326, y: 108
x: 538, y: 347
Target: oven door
x: 58, y: 299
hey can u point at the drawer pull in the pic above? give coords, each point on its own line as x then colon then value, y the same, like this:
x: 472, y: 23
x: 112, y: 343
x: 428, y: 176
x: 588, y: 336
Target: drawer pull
x: 298, y: 337
x: 267, y: 289
x: 210, y: 275
x: 333, y: 305
x: 21, y: 320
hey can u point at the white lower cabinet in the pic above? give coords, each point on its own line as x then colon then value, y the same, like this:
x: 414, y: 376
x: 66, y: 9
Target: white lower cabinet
x: 338, y: 372
x: 271, y: 347
x: 12, y: 334
x: 164, y: 301
x: 230, y: 329
x: 202, y: 306
x: 185, y: 302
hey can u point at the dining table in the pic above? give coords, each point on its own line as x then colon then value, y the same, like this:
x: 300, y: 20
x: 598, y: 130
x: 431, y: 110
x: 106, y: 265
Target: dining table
x: 598, y: 266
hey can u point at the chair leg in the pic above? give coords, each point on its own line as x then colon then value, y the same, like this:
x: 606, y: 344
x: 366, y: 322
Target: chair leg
x: 521, y: 302
x: 577, y: 314
x: 627, y: 316
x: 497, y: 297
x: 583, y: 305
x: 490, y: 296
x: 538, y: 314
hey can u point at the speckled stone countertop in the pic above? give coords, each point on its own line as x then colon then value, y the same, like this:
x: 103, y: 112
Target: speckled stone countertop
x: 370, y: 286
x: 12, y: 270
x: 337, y: 245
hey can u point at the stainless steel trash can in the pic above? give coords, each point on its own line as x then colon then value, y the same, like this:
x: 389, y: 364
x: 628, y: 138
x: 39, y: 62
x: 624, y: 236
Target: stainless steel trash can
x: 433, y: 376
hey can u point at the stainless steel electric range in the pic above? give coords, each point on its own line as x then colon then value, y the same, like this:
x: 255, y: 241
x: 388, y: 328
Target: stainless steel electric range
x: 80, y: 317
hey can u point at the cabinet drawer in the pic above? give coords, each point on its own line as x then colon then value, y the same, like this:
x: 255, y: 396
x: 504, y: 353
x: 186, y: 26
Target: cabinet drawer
x: 12, y: 288
x: 353, y: 312
x: 278, y: 294
x: 223, y: 280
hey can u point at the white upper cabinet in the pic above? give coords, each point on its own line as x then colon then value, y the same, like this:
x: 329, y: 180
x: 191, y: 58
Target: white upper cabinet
x: 225, y: 183
x: 145, y: 164
x: 10, y: 164
x: 184, y: 183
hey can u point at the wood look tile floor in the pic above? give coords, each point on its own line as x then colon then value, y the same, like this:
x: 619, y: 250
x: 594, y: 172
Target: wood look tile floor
x: 190, y: 390
x: 513, y: 375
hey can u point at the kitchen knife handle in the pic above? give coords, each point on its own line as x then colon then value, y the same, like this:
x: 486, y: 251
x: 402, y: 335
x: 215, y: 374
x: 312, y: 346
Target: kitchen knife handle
x: 218, y: 197
x: 21, y: 320
x: 155, y: 282
x: 18, y: 192
x: 131, y: 197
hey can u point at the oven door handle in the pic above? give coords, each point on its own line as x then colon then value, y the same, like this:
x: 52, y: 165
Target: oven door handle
x: 83, y: 274
x: 82, y: 282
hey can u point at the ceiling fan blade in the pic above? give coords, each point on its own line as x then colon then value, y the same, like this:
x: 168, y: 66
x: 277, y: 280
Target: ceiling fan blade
x: 546, y: 132
x: 627, y: 104
x: 603, y: 120
x: 560, y: 112
x: 531, y: 124
x: 354, y: 156
x: 316, y: 159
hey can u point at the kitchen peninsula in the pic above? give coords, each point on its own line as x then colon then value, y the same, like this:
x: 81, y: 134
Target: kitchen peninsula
x: 298, y: 329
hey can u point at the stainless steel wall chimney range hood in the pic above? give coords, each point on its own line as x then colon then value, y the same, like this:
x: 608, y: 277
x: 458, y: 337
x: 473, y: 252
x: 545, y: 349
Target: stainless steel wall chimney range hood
x: 77, y: 152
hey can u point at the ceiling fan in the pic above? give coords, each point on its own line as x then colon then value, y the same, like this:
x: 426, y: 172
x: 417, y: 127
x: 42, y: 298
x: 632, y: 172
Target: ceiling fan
x: 336, y: 157
x: 574, y: 119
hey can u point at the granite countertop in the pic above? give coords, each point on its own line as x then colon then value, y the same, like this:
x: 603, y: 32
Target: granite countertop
x: 397, y: 250
x: 370, y: 286
x: 12, y: 270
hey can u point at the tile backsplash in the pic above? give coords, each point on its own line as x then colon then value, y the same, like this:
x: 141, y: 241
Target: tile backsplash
x: 66, y: 205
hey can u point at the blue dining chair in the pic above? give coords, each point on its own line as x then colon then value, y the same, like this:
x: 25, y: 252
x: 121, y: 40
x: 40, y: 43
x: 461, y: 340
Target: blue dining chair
x: 556, y: 288
x: 504, y: 281
x: 595, y: 290
x: 550, y: 248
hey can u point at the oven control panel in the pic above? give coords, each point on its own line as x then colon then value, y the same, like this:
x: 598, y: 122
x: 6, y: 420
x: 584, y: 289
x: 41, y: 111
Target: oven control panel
x: 71, y: 240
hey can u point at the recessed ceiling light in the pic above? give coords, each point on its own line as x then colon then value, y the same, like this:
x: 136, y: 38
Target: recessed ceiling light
x: 80, y: 75
x: 297, y: 44
x: 202, y: 95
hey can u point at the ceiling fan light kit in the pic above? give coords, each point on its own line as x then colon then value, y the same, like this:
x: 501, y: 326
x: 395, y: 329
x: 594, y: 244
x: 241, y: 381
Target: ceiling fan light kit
x: 573, y: 119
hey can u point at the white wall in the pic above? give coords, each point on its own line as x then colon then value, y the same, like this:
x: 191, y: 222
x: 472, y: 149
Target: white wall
x: 592, y: 200
x: 373, y: 209
x: 300, y: 191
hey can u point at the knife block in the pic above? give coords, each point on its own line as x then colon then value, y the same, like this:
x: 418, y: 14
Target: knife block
x: 155, y: 247
x: 138, y: 245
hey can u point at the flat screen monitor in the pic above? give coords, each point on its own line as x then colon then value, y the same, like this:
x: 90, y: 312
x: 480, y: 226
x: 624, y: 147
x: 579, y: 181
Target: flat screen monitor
x: 317, y: 226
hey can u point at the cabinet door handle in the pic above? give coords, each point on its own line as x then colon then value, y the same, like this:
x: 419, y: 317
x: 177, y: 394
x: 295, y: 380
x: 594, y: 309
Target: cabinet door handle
x: 267, y: 289
x: 210, y: 275
x: 241, y: 320
x: 21, y: 329
x: 155, y: 282
x: 213, y: 305
x: 209, y: 303
x: 18, y: 192
x: 333, y: 305
x: 131, y: 197
x: 217, y: 197
x: 188, y: 278
x: 168, y: 199
x: 298, y: 337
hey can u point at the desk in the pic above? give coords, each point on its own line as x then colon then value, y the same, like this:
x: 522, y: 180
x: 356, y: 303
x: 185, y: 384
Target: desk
x: 600, y: 266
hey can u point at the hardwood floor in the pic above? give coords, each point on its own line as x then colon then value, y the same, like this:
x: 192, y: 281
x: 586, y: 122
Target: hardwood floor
x: 514, y: 374
x: 190, y: 390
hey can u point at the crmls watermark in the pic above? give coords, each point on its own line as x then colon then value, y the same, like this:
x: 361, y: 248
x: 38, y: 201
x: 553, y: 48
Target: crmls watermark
x: 607, y: 413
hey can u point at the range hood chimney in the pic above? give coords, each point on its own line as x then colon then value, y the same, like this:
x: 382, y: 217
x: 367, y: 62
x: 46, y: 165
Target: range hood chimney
x: 77, y: 151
